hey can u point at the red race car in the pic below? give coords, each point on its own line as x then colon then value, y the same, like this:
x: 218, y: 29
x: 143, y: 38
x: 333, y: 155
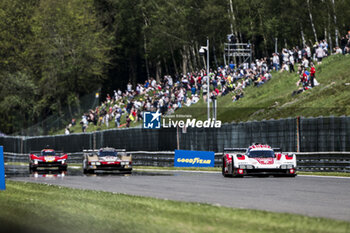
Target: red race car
x: 47, y: 158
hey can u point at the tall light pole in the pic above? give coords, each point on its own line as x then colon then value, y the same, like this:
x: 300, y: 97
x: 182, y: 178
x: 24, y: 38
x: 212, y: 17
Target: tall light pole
x: 201, y: 52
x: 276, y: 39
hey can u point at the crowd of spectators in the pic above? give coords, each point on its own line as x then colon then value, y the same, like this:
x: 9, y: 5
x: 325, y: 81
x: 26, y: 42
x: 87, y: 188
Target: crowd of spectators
x: 171, y: 93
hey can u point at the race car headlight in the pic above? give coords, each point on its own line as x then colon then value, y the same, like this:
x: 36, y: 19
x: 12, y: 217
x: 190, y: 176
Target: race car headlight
x: 246, y: 166
x: 287, y: 166
x: 93, y: 163
x: 98, y: 163
x: 35, y: 161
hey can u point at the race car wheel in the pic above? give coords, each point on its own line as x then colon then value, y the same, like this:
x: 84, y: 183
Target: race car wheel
x: 87, y: 171
x: 32, y: 168
x: 223, y: 169
x: 92, y: 171
x: 237, y: 176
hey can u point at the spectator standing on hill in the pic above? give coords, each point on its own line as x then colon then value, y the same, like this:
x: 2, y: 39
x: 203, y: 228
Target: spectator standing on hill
x: 308, y: 52
x: 291, y: 62
x: 118, y: 115
x: 343, y: 43
x: 275, y: 61
x: 129, y: 87
x: 319, y: 54
x: 205, y: 89
x: 232, y: 66
x: 128, y: 120
x: 153, y: 82
x: 312, y: 75
x: 325, y: 48
x: 347, y: 48
x: 305, y: 63
x: 66, y: 131
x: 84, y: 122
x: 300, y: 56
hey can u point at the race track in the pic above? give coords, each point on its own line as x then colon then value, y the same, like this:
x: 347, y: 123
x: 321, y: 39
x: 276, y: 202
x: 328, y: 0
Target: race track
x: 311, y: 196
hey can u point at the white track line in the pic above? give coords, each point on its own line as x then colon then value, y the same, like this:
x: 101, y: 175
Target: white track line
x: 332, y: 177
x: 214, y: 172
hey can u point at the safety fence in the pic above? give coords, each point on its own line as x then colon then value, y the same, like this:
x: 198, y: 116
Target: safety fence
x: 290, y: 134
x: 306, y: 161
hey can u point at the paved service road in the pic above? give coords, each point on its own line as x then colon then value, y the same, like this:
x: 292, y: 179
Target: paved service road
x: 311, y: 196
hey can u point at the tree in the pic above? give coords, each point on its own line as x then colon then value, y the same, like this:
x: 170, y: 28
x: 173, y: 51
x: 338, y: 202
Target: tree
x: 71, y: 48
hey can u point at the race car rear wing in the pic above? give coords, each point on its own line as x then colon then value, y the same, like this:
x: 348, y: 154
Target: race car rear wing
x: 234, y: 149
x: 39, y: 152
x: 91, y: 150
x: 244, y: 149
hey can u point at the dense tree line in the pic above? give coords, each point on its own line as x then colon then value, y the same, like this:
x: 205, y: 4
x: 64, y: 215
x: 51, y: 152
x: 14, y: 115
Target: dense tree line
x: 52, y: 52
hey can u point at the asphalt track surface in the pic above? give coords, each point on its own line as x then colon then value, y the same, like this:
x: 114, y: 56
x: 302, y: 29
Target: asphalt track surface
x: 312, y: 196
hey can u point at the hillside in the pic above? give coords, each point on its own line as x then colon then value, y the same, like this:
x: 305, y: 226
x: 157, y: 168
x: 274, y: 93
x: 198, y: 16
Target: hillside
x: 274, y: 99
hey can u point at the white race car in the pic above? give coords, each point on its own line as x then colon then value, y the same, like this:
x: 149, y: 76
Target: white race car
x: 258, y: 159
x: 107, y: 159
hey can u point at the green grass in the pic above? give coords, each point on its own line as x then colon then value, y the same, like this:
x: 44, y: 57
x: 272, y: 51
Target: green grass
x: 340, y: 174
x: 29, y: 207
x: 92, y: 128
x: 274, y: 100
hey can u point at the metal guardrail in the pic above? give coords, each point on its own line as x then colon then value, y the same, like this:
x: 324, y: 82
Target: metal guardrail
x: 323, y: 161
x: 306, y: 161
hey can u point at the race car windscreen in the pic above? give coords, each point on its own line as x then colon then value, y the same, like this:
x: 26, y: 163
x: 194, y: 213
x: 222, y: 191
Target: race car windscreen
x: 107, y: 153
x: 45, y: 153
x: 261, y: 154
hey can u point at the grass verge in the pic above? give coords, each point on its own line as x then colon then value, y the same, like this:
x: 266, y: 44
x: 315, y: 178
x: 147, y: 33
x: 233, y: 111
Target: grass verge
x: 29, y: 207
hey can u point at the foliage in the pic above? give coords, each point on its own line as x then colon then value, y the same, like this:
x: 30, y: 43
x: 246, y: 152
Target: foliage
x: 274, y: 99
x: 30, y: 207
x: 68, y: 48
x: 57, y: 50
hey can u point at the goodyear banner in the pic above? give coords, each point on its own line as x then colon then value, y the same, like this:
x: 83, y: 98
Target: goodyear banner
x: 2, y: 169
x: 189, y: 158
